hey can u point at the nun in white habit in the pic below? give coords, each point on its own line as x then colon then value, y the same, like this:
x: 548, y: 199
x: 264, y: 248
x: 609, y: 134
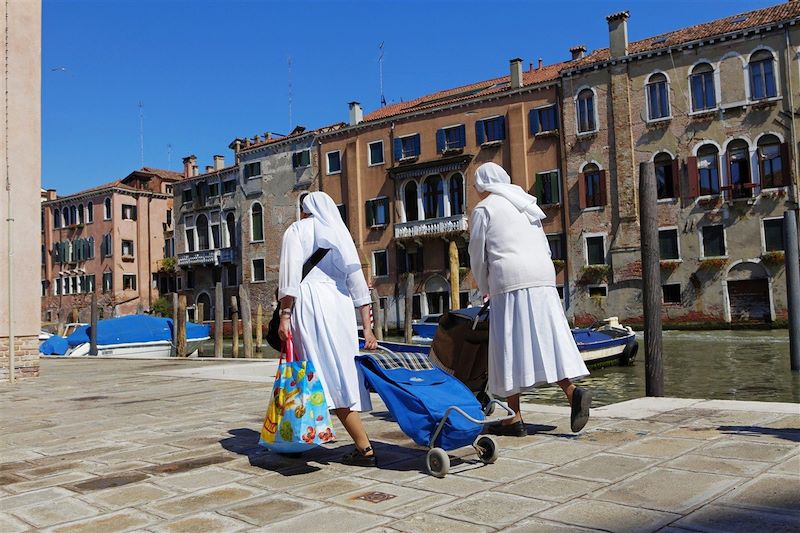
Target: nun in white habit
x: 318, y: 311
x: 530, y: 341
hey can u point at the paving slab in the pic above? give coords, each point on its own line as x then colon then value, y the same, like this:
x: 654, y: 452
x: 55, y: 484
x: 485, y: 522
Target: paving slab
x: 544, y: 486
x: 271, y: 509
x: 201, y: 522
x: 124, y: 520
x: 10, y: 524
x: 716, y: 465
x: 203, y: 500
x: 35, y: 497
x: 378, y: 498
x: 751, y: 451
x: 133, y: 495
x: 609, y: 516
x: 604, y: 467
x: 492, y: 509
x: 51, y: 513
x: 770, y: 491
x: 657, y: 447
x: 539, y: 525
x: 726, y: 519
x: 198, y: 479
x: 431, y: 523
x: 349, y: 520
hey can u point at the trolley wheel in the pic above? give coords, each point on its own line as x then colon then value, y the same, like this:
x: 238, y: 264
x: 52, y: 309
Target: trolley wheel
x: 487, y: 449
x: 437, y: 462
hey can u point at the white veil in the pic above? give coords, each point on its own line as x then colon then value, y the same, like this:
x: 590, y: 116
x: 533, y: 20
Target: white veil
x: 330, y: 231
x: 491, y: 177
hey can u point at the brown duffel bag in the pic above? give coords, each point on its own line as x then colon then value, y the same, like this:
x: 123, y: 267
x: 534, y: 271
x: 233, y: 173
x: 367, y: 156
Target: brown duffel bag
x: 461, y: 346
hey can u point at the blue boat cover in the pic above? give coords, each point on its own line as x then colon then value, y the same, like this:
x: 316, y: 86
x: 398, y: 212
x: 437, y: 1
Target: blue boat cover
x: 589, y: 339
x: 78, y: 337
x: 142, y: 328
x: 196, y: 331
x: 418, y: 400
x: 55, y: 345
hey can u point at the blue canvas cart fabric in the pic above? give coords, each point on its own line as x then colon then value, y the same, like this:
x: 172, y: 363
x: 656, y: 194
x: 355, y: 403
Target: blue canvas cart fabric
x: 418, y: 395
x: 55, y: 345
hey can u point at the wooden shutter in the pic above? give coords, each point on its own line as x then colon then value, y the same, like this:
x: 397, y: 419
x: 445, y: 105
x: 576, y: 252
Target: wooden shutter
x: 370, y: 214
x: 692, y: 178
x: 417, y: 148
x: 462, y: 136
x: 603, y: 196
x: 554, y: 188
x: 133, y: 211
x: 676, y: 178
x: 440, y: 140
x: 582, y: 190
x: 480, y: 134
x: 538, y: 188
x: 786, y: 166
x: 398, y: 149
x: 729, y: 186
x: 533, y: 118
x: 502, y: 121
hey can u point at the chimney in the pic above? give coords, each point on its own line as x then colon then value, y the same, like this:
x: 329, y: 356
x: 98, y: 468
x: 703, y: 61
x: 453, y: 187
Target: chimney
x: 618, y: 33
x: 516, y: 72
x: 578, y: 51
x: 189, y: 162
x: 195, y: 170
x: 256, y: 139
x: 267, y: 135
x: 356, y: 114
x: 209, y: 168
x: 51, y: 194
x: 541, y: 64
x: 219, y: 162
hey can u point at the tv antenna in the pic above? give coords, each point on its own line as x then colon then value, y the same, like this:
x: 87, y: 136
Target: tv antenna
x: 289, y: 66
x: 380, y: 66
x: 141, y: 131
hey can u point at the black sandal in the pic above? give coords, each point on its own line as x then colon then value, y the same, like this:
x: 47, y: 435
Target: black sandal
x: 359, y: 458
x: 581, y: 402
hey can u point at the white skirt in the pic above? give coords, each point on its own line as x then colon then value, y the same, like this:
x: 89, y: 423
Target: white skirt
x: 325, y: 332
x: 530, y: 342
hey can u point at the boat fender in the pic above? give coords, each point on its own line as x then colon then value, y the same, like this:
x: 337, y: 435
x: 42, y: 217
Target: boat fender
x: 628, y: 355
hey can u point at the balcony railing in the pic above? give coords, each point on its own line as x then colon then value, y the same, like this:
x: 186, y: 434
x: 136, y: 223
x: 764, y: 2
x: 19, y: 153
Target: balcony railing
x: 434, y: 226
x: 207, y: 257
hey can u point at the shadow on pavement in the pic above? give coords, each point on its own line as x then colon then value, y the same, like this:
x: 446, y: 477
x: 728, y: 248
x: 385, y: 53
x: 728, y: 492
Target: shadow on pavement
x: 790, y: 434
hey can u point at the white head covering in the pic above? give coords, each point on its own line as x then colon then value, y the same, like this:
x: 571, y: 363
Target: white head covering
x: 330, y: 231
x: 491, y: 177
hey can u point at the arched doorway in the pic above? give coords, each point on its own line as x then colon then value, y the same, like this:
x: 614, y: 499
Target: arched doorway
x: 204, y: 299
x: 437, y: 295
x: 749, y: 293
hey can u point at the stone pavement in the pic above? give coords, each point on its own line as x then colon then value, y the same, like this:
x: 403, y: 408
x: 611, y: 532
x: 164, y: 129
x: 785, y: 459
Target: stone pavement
x: 116, y: 445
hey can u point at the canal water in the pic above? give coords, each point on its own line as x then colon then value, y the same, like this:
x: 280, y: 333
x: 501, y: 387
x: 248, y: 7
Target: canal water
x: 721, y: 365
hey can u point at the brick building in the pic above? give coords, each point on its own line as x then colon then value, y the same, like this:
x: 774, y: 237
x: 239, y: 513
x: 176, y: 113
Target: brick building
x: 110, y: 239
x: 713, y: 107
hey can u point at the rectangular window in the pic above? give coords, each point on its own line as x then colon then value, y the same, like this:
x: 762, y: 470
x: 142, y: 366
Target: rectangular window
x: 301, y: 159
x: 213, y: 190
x: 334, y: 162
x: 546, y: 188
x: 74, y: 284
x: 490, y: 130
x: 594, y: 189
x: 107, y: 246
x: 703, y: 94
x: 378, y: 212
x: 586, y: 119
x: 107, y: 209
x: 409, y: 260
x: 169, y: 247
x: 127, y: 248
x: 129, y: 282
x: 380, y: 263
x: 668, y: 244
x: 451, y: 138
x: 657, y: 99
x: 186, y: 195
x: 215, y: 242
x: 228, y: 187
x: 169, y: 217
x: 762, y: 80
x: 595, y: 250
x: 375, y: 153
x: 90, y: 213
x: 252, y: 170
x: 665, y: 181
x: 409, y: 147
x: 258, y: 270
x: 771, y: 160
x: 128, y: 212
x: 57, y: 290
x: 556, y: 242
x: 108, y: 281
x: 713, y: 241
x: 231, y: 278
x: 416, y: 306
x: 543, y: 119
x: 671, y: 293
x: 708, y: 174
x: 600, y: 291
x: 773, y: 234
x: 190, y: 244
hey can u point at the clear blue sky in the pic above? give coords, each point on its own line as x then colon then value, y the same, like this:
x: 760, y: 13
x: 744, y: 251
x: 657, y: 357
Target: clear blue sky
x: 209, y: 71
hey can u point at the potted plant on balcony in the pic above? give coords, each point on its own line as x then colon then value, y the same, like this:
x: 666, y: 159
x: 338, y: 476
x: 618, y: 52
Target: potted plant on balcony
x: 593, y: 274
x: 559, y: 264
x: 712, y: 263
x: 167, y: 264
x: 669, y: 265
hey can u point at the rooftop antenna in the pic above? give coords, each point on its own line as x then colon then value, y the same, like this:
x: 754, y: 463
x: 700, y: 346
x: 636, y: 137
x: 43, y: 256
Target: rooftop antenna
x: 169, y: 156
x: 289, y: 65
x: 141, y: 132
x: 380, y: 64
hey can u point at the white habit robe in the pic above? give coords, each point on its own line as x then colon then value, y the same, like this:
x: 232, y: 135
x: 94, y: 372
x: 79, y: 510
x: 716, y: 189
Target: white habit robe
x: 324, y: 326
x: 530, y: 341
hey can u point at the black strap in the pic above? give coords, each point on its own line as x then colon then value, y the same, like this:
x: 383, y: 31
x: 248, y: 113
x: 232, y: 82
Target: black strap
x: 313, y: 261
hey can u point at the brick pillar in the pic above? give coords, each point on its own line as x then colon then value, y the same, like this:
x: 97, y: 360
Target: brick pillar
x: 517, y: 146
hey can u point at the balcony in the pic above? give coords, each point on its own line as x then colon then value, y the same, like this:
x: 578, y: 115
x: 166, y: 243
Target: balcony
x: 434, y: 227
x: 207, y: 257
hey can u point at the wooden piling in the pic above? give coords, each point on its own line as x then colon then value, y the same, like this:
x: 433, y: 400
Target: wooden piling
x: 199, y: 312
x: 74, y: 314
x: 180, y: 327
x: 219, y: 317
x: 234, y: 327
x: 247, y: 320
x: 455, y: 282
x: 651, y: 280
x: 93, y: 326
x: 409, y: 306
x: 174, y: 324
x: 259, y: 326
x: 792, y: 260
x: 377, y: 316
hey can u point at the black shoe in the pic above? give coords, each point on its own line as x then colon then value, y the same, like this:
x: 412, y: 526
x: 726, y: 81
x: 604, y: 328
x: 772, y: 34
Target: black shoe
x: 581, y: 401
x: 515, y: 429
x: 357, y: 458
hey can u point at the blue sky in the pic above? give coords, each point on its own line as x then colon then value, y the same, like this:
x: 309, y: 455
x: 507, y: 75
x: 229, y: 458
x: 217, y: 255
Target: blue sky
x: 209, y: 71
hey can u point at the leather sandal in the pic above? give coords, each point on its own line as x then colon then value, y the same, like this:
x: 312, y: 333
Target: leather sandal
x: 359, y: 458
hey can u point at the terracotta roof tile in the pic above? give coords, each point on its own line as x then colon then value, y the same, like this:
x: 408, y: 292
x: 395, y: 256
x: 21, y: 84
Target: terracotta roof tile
x: 759, y: 17
x: 466, y: 92
x: 295, y: 134
x: 162, y: 173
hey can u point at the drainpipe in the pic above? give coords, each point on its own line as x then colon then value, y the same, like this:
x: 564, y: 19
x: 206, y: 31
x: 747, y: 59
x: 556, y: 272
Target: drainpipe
x: 792, y: 118
x: 10, y: 220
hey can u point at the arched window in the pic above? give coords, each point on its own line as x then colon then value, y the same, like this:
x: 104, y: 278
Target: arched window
x: 456, y: 195
x: 433, y: 197
x: 56, y: 218
x: 202, y: 232
x: 708, y: 169
x: 771, y: 161
x: 665, y: 178
x: 762, y: 75
x: 593, y: 185
x: 586, y: 119
x: 739, y: 169
x: 702, y: 84
x: 230, y: 224
x: 256, y: 223
x: 81, y: 217
x: 73, y: 215
x: 410, y: 201
x: 657, y: 97
x: 89, y: 213
x: 107, y: 209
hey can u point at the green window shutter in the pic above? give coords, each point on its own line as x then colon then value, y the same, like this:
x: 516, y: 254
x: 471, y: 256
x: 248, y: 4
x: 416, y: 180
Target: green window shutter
x: 554, y: 188
x: 370, y: 214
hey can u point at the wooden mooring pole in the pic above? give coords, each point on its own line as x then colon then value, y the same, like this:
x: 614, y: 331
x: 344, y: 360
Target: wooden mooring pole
x: 247, y: 320
x: 175, y: 324
x: 180, y: 327
x: 219, y: 317
x: 234, y: 328
x: 409, y: 306
x: 651, y: 281
x: 377, y: 316
x: 259, y: 328
x: 792, y: 259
